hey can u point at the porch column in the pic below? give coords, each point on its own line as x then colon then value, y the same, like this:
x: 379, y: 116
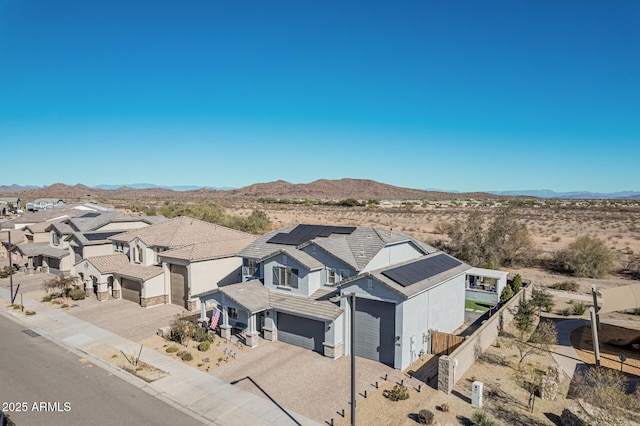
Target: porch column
x: 225, y: 328
x: 203, y: 312
x: 252, y: 334
x: 30, y: 265
x: 103, y: 291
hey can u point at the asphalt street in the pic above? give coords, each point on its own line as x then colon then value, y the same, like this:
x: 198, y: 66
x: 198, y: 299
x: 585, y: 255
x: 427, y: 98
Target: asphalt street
x: 44, y: 384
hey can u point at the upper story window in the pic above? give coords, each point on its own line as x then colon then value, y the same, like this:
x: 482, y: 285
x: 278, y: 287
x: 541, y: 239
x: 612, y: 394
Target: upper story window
x: 119, y: 247
x: 285, y: 277
x: 55, y: 238
x: 344, y: 274
x: 232, y: 312
x: 331, y: 276
x: 137, y: 254
x: 250, y: 267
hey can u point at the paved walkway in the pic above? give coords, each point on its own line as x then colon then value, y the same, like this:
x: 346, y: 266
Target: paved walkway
x: 199, y: 394
x: 563, y: 354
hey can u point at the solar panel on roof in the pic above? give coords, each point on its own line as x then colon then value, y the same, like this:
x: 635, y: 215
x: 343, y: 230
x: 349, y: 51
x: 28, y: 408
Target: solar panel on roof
x: 414, y: 272
x: 91, y: 214
x: 303, y: 233
x: 100, y: 235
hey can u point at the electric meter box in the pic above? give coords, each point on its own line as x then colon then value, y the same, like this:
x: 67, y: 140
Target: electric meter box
x: 476, y: 394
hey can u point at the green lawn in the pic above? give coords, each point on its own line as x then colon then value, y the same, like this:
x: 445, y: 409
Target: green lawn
x: 477, y: 306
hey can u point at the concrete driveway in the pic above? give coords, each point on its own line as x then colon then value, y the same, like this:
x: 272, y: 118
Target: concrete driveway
x: 304, y: 381
x: 121, y: 317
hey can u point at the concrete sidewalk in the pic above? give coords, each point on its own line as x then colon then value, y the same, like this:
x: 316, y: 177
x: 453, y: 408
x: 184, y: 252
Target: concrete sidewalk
x: 563, y: 354
x: 197, y: 393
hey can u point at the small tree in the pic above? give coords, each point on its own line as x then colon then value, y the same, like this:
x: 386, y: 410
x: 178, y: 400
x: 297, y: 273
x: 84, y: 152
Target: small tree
x: 506, y: 294
x: 587, y: 256
x: 517, y: 283
x: 61, y: 283
x: 542, y: 299
x: 181, y: 330
x: 539, y: 342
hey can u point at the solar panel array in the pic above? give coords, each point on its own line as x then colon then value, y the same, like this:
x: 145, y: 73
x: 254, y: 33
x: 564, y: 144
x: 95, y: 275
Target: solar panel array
x: 414, y: 272
x: 91, y: 214
x: 96, y: 236
x: 303, y: 233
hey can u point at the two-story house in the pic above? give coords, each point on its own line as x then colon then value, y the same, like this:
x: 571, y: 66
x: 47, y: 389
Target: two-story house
x: 168, y: 262
x: 293, y: 279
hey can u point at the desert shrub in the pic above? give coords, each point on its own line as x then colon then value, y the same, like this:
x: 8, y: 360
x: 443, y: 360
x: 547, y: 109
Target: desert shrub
x: 578, y: 307
x: 587, y: 256
x: 517, y: 283
x: 568, y: 285
x: 186, y: 356
x: 60, y: 283
x: 171, y: 349
x: 180, y: 330
x: 425, y: 417
x: 46, y: 299
x: 64, y: 305
x: 398, y: 393
x: 565, y: 312
x: 77, y: 294
x: 200, y: 334
x: 480, y: 418
x: 444, y: 407
x: 29, y: 312
x: 506, y: 294
x: 204, y: 346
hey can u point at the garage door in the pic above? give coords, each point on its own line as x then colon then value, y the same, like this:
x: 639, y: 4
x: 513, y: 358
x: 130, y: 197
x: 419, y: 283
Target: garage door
x: 179, y: 282
x: 131, y: 290
x: 299, y: 331
x: 375, y: 330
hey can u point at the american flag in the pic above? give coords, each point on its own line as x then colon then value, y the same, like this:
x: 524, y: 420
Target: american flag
x: 215, y: 317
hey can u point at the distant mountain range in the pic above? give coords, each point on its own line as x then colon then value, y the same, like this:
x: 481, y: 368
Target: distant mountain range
x: 577, y: 195
x: 153, y: 186
x: 322, y: 189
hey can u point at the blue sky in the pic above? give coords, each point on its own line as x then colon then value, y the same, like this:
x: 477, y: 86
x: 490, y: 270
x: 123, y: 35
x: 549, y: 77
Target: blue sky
x: 459, y: 95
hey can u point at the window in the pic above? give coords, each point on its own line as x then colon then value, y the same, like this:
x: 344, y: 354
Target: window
x: 56, y: 239
x: 285, y: 277
x: 250, y: 267
x: 137, y: 254
x: 331, y: 276
x: 232, y: 312
x: 344, y: 274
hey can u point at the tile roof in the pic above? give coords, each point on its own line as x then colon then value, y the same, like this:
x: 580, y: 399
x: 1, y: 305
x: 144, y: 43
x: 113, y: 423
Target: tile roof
x: 52, y: 214
x: 17, y: 236
x: 317, y: 306
x: 41, y: 249
x: 356, y: 249
x: 208, y: 251
x: 415, y: 288
x: 37, y: 227
x: 139, y: 272
x: 107, y: 264
x: 251, y: 295
x: 182, y: 231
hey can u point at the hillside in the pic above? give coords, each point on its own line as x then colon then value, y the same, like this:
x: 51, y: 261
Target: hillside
x: 323, y: 189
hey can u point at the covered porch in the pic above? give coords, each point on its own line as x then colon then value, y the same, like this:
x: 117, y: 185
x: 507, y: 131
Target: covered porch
x: 484, y: 285
x: 41, y: 257
x: 243, y: 310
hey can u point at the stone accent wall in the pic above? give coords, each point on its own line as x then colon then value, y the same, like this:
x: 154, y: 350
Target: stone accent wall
x: 445, y: 374
x: 551, y: 383
x: 117, y: 294
x: 225, y: 331
x: 268, y: 334
x: 191, y: 305
x: 333, y: 352
x: 153, y: 301
x: 475, y: 345
x: 102, y: 295
x: 252, y: 339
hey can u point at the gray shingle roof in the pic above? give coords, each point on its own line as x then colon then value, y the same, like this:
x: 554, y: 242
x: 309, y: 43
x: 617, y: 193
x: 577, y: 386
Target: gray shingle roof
x: 356, y: 249
x: 41, y: 249
x: 317, y: 306
x: 418, y: 287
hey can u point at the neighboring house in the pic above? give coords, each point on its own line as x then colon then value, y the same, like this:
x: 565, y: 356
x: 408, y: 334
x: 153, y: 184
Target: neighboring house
x: 70, y: 239
x: 404, y: 289
x: 9, y: 205
x: 54, y: 214
x: 43, y: 204
x: 169, y: 262
x: 17, y: 237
